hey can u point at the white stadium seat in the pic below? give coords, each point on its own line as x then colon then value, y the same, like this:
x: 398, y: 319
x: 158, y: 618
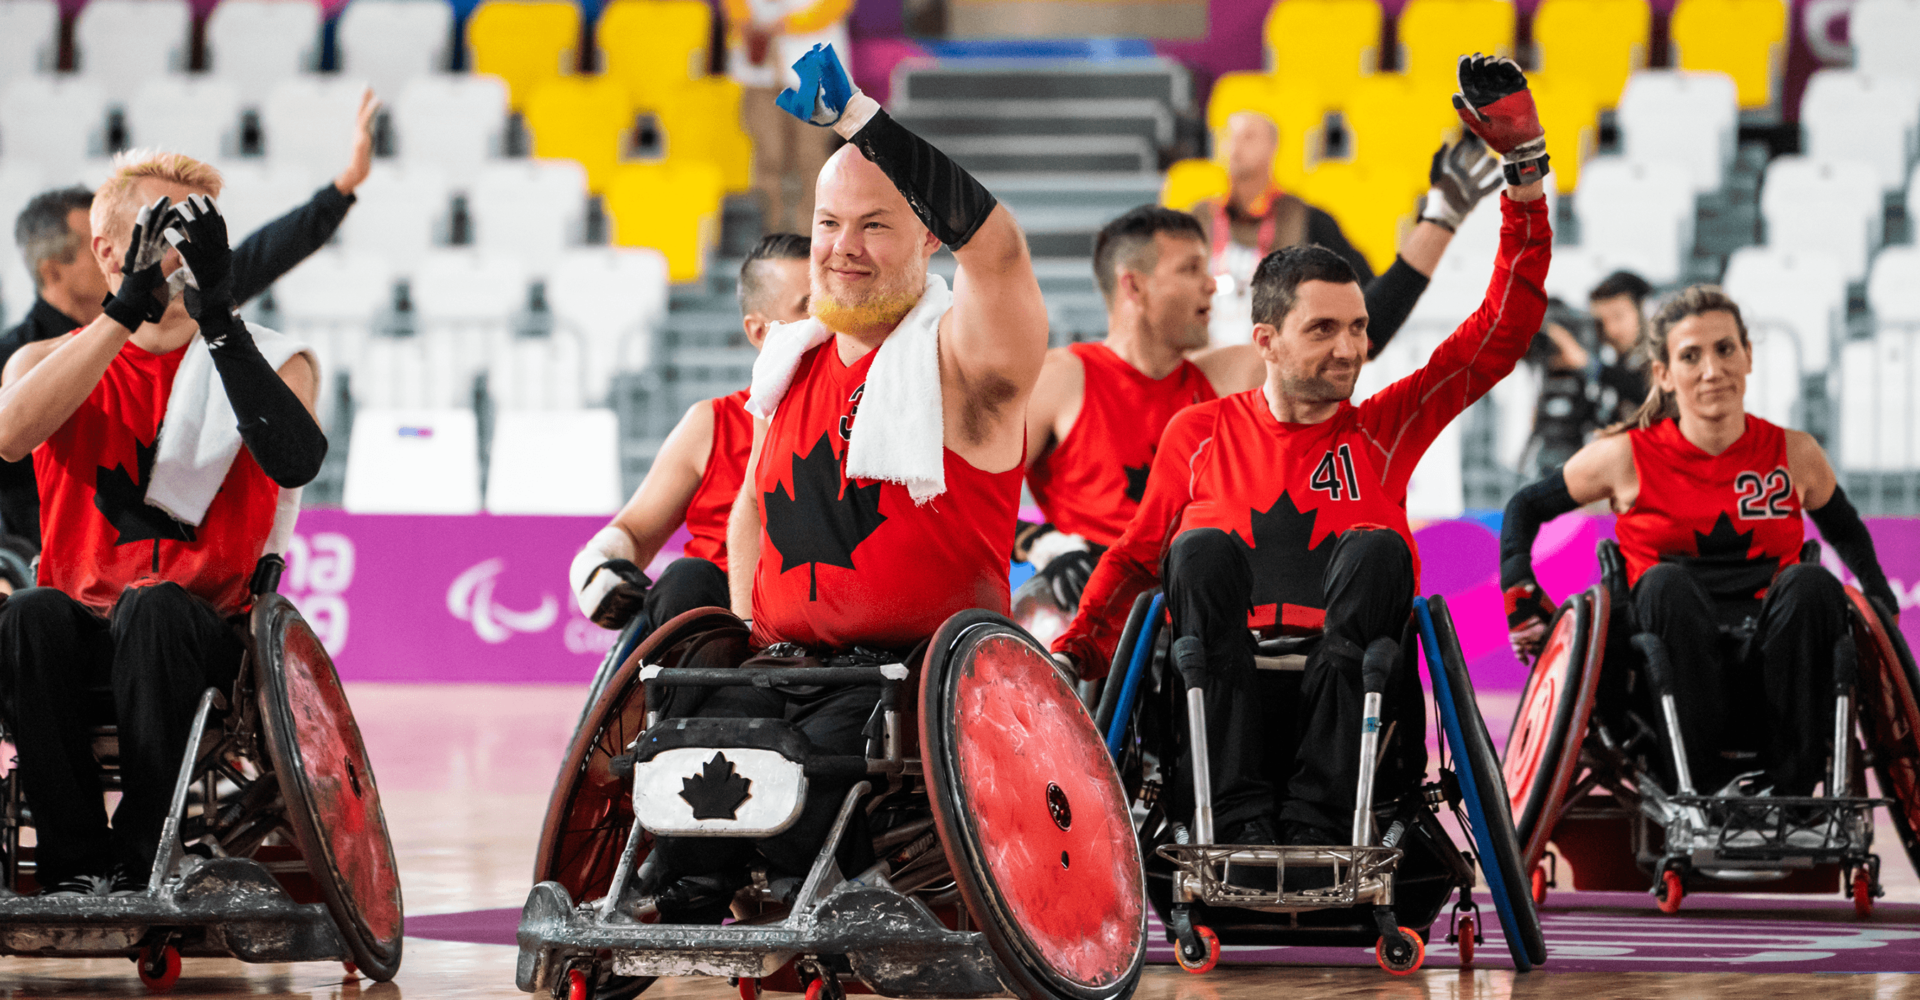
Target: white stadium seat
x: 554, y: 462
x: 1853, y: 116
x: 1689, y: 118
x: 1885, y: 35
x: 255, y: 44
x: 1893, y: 290
x: 454, y: 123
x: 192, y: 115
x: 1577, y: 269
x: 333, y: 299
x: 120, y: 44
x: 309, y: 121
x: 1804, y: 290
x: 389, y: 42
x: 530, y: 208
x: 413, y: 462
x: 1831, y: 205
x: 256, y: 193
x: 537, y: 372
x: 29, y: 37
x: 462, y: 287
x: 428, y: 370
x: 1913, y: 193
x: 1878, y: 411
x: 400, y: 212
x: 612, y: 297
x: 19, y: 181
x: 1639, y: 213
x: 57, y: 123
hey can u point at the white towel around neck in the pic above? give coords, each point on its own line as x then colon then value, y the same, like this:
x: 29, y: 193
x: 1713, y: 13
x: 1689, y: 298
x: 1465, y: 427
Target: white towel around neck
x: 200, y: 435
x: 904, y: 439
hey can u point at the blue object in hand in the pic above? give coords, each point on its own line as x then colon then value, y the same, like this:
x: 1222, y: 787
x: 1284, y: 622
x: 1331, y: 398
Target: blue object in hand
x: 824, y: 89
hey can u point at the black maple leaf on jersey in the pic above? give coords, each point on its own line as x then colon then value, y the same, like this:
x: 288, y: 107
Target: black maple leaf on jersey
x: 1287, y: 567
x: 716, y: 792
x: 123, y: 502
x: 825, y: 519
x: 1136, y: 480
x: 1724, y: 563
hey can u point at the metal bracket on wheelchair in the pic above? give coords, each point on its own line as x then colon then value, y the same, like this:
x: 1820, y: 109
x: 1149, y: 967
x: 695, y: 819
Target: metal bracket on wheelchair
x: 891, y: 677
x: 1357, y: 874
x: 1769, y: 831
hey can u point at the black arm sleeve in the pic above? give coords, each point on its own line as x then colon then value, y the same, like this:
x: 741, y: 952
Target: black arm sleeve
x: 1325, y: 230
x: 1841, y: 526
x: 276, y: 427
x: 1534, y: 505
x: 940, y: 191
x: 1390, y: 299
x: 280, y: 245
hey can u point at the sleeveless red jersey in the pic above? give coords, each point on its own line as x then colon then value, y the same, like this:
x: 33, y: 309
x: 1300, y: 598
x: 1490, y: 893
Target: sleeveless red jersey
x: 856, y: 562
x: 712, y: 502
x: 1287, y: 491
x: 1092, y: 481
x: 102, y: 537
x: 1732, y: 519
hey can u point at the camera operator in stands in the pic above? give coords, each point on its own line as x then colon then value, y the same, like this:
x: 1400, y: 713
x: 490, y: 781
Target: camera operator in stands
x: 53, y: 234
x: 1617, y: 374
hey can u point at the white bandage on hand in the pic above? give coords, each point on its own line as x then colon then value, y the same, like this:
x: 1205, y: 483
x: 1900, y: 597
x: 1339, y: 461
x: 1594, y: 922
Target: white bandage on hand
x: 1053, y: 545
x: 859, y: 111
x: 590, y: 587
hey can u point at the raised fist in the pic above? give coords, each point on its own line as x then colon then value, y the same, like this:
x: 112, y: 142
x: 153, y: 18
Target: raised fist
x: 1495, y: 105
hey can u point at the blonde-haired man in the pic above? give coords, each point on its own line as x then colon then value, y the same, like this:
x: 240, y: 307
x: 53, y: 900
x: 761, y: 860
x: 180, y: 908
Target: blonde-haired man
x: 151, y: 538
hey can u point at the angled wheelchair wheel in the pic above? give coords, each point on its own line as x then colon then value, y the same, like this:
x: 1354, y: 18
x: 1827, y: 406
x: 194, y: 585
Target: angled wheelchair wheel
x: 1482, y: 789
x: 1543, y: 748
x: 636, y: 632
x: 591, y: 809
x: 1890, y: 717
x: 333, y: 803
x: 1030, y: 813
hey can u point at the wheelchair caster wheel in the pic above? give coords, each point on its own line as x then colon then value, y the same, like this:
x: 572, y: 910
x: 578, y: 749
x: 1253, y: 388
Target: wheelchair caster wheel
x: 1201, y: 954
x: 352, y: 970
x: 1468, y: 929
x: 577, y: 986
x: 1402, y: 953
x: 1862, y: 893
x: 1669, y: 891
x: 159, y: 967
x: 749, y: 989
x: 825, y: 988
x: 1539, y: 884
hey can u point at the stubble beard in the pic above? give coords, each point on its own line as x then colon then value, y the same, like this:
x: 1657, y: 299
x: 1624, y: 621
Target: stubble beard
x: 880, y: 307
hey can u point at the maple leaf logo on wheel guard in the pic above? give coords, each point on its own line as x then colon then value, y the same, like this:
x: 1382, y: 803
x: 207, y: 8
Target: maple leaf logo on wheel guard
x: 716, y: 792
x: 824, y: 519
x: 123, y: 502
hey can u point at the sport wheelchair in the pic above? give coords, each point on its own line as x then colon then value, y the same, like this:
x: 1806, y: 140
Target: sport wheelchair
x: 1006, y: 862
x: 275, y: 849
x: 1597, y: 766
x: 1388, y: 885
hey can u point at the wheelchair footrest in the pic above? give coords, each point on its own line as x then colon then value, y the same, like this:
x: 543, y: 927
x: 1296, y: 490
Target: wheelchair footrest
x: 1782, y: 831
x: 1352, y: 874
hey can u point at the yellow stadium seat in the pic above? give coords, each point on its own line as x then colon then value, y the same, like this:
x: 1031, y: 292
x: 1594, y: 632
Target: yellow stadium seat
x: 583, y: 118
x: 1600, y: 41
x: 1296, y: 112
x: 1371, y: 214
x: 1393, y: 128
x: 524, y: 42
x: 701, y: 121
x: 654, y: 46
x: 1571, y: 115
x: 1434, y: 34
x: 1190, y: 182
x: 1323, y: 46
x: 1745, y: 39
x: 671, y: 206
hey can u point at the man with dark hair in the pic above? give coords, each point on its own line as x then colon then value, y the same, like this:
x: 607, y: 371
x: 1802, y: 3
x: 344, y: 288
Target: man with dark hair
x: 1283, y: 508
x: 695, y: 477
x: 1617, y: 375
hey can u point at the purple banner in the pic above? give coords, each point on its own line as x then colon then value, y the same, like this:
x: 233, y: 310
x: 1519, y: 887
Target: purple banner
x: 483, y: 599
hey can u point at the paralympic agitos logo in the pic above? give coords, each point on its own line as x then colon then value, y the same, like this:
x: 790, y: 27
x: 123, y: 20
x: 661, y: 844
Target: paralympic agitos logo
x: 470, y: 599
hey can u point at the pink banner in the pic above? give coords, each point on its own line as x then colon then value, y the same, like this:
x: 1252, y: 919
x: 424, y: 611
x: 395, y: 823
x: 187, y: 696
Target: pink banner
x: 483, y: 599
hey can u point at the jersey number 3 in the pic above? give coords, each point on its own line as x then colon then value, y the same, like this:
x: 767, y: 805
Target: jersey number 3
x: 1760, y: 500
x: 1334, y: 475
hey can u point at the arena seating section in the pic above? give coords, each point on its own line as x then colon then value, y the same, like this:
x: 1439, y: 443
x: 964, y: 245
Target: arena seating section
x: 536, y: 278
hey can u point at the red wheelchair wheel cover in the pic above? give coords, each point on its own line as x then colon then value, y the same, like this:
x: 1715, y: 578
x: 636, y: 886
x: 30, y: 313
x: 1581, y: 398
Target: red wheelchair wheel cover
x: 1031, y: 813
x: 1543, y: 746
x: 1890, y: 718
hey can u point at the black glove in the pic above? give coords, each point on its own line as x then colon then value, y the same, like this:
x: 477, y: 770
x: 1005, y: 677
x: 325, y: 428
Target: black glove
x: 1495, y: 104
x: 1461, y: 174
x: 1067, y: 575
x: 198, y: 230
x: 142, y: 297
x: 625, y: 599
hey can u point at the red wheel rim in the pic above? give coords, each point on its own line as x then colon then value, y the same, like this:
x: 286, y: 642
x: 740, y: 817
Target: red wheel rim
x: 1209, y: 941
x: 1419, y: 954
x: 1539, y: 885
x: 1670, y: 902
x: 168, y: 973
x: 576, y: 985
x: 1542, y: 749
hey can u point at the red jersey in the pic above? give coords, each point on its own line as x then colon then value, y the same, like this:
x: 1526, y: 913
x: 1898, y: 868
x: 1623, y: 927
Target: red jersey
x: 856, y: 562
x: 1732, y: 519
x: 1092, y: 481
x: 1286, y: 491
x: 102, y: 537
x: 712, y: 502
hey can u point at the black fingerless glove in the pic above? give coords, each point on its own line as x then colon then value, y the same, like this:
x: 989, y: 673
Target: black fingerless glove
x: 142, y: 297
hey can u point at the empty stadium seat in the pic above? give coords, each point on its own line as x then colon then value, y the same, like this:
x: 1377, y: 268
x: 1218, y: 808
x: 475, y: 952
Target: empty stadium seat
x: 1893, y: 290
x: 19, y: 181
x: 310, y: 121
x: 536, y: 371
x: 413, y: 462
x: 1434, y: 34
x: 54, y: 122
x: 673, y: 207
x: 1745, y: 39
x: 1577, y: 269
x: 1570, y: 113
x: 192, y: 115
x: 1688, y: 118
x: 1885, y: 35
x: 1831, y: 205
x: 119, y: 44
x: 554, y: 462
x: 467, y: 289
x: 702, y: 122
x: 586, y: 119
x: 29, y: 37
x: 1372, y: 205
x: 427, y: 370
x: 529, y: 208
x: 1600, y: 42
x: 1639, y: 213
x: 1190, y: 182
x: 333, y: 299
x: 611, y: 297
x: 1393, y: 128
x: 1851, y: 115
x: 254, y: 44
x: 389, y: 43
x: 454, y: 123
x: 524, y: 42
x: 1803, y: 289
x: 256, y: 193
x: 1878, y: 411
x: 401, y: 211
x: 654, y: 47
x: 1323, y: 46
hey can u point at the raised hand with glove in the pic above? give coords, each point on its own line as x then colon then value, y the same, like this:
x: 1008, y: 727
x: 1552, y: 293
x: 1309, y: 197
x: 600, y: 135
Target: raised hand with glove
x: 1495, y: 104
x: 1065, y: 561
x: 143, y: 294
x: 1462, y: 175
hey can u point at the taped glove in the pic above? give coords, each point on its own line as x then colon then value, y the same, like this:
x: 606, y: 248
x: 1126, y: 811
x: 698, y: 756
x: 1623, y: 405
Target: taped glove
x: 198, y: 230
x: 824, y: 91
x: 609, y: 588
x: 1462, y: 175
x: 1528, y: 614
x: 143, y: 295
x: 1496, y: 105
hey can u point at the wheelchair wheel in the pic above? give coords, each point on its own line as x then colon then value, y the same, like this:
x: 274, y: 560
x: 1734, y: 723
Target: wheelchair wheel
x: 1543, y: 748
x: 1483, y: 792
x: 1890, y: 717
x: 623, y: 645
x: 333, y: 802
x: 1030, y: 813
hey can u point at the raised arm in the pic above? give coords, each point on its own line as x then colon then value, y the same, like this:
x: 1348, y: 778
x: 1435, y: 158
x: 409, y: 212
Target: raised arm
x: 608, y: 576
x: 279, y: 246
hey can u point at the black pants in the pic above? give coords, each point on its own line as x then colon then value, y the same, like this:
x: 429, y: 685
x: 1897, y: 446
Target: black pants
x: 1759, y: 703
x: 61, y: 666
x: 1251, y: 734
x: 687, y: 583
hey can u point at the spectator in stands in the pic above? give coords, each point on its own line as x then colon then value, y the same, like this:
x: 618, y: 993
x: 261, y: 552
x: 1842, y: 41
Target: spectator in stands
x: 696, y: 476
x: 53, y: 233
x: 764, y: 38
x: 1566, y: 412
x: 1616, y: 374
x: 1257, y: 218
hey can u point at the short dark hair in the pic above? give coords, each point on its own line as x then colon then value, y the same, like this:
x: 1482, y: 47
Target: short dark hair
x: 773, y: 246
x: 1128, y: 242
x: 1276, y: 282
x: 1621, y: 283
x: 41, y: 231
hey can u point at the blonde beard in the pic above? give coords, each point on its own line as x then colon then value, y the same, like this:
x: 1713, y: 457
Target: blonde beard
x: 877, y: 312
